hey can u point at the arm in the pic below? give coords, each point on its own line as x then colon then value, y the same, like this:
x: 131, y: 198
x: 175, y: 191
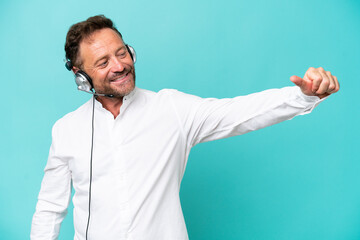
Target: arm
x: 210, y: 119
x: 54, y: 196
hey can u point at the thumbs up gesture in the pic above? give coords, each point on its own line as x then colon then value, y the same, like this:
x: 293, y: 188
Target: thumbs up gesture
x: 317, y: 82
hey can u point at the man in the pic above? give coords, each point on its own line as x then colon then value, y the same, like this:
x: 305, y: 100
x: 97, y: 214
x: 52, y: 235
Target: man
x: 125, y: 150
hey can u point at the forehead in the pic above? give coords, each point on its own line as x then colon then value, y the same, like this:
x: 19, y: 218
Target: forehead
x: 98, y: 44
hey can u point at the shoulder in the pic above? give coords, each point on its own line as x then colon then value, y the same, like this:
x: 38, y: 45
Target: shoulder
x: 152, y: 95
x: 75, y: 117
x: 167, y: 96
x: 149, y: 93
x: 175, y: 94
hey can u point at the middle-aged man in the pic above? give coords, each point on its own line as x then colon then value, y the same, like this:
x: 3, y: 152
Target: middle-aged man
x: 125, y: 150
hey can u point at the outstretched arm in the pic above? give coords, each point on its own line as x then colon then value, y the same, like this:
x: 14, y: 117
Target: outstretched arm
x: 210, y: 119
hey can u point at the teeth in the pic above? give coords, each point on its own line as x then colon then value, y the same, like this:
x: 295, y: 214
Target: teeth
x: 117, y: 79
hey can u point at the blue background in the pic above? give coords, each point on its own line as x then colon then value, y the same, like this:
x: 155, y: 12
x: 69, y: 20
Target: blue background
x: 296, y: 180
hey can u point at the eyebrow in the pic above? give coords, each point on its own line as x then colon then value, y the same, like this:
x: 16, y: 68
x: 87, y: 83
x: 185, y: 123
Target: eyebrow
x: 106, y: 56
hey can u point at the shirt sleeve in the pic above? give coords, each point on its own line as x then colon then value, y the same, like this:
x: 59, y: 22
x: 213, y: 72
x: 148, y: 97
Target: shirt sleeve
x: 207, y: 119
x: 54, y: 196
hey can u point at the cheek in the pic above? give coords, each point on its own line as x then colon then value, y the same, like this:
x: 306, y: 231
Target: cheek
x: 100, y: 76
x: 132, y: 67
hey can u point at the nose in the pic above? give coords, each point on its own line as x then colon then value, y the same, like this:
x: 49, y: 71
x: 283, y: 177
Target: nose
x: 117, y: 65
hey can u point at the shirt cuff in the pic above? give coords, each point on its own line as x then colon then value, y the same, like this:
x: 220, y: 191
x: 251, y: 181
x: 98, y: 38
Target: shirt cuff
x: 310, y: 101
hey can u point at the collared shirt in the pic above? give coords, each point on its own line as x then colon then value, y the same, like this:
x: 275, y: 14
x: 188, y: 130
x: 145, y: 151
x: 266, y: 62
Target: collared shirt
x: 139, y: 159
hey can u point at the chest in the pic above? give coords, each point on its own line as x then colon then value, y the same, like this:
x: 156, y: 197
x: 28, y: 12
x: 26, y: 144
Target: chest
x: 137, y: 143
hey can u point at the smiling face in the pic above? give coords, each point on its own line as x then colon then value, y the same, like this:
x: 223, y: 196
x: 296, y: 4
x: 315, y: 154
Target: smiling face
x: 107, y: 61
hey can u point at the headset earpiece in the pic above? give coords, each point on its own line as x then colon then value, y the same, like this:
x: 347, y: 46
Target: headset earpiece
x: 131, y: 52
x: 83, y: 81
x: 68, y: 65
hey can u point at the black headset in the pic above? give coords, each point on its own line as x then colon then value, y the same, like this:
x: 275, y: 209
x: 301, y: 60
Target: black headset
x: 84, y: 81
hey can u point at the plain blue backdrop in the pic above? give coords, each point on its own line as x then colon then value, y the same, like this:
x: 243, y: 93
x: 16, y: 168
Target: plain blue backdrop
x: 296, y: 180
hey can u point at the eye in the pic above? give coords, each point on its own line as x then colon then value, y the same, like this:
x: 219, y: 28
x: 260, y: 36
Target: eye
x: 122, y: 53
x: 103, y: 63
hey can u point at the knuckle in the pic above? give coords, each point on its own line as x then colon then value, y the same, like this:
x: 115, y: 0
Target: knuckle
x: 331, y: 87
x: 336, y: 88
x: 317, y: 80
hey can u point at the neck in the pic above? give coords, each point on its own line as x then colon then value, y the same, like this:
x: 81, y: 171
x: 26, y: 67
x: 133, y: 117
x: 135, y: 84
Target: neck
x: 111, y: 104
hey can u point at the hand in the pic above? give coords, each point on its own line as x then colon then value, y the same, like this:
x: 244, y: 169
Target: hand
x: 317, y: 82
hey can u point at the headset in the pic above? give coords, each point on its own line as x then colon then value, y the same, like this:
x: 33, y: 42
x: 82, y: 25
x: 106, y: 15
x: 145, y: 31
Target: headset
x: 84, y: 81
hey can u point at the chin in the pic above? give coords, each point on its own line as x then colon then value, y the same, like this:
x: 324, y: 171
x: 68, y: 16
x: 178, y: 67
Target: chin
x: 118, y: 90
x: 125, y: 90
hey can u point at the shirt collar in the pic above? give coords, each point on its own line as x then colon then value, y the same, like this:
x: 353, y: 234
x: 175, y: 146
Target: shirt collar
x: 127, y: 99
x: 130, y: 96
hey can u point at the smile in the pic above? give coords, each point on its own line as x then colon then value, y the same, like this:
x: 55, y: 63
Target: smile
x: 121, y: 79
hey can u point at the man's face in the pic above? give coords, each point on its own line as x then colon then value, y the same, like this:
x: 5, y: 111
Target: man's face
x: 106, y: 60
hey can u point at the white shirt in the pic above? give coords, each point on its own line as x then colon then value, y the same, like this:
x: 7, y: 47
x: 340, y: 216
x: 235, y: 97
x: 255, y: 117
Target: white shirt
x: 139, y: 159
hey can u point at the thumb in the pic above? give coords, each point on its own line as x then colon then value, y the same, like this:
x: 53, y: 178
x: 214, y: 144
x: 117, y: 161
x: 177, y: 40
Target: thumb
x: 304, y: 84
x: 298, y: 81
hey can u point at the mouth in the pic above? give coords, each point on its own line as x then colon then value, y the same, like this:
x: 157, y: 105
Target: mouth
x: 121, y: 79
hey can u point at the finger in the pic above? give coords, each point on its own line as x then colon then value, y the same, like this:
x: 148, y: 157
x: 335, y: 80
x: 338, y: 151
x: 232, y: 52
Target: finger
x: 298, y: 81
x: 337, y: 85
x: 332, y: 84
x: 304, y: 84
x: 324, y: 85
x: 315, y: 76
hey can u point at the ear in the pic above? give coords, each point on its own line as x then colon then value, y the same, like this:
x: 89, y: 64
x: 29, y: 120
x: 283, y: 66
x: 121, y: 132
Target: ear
x: 75, y: 69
